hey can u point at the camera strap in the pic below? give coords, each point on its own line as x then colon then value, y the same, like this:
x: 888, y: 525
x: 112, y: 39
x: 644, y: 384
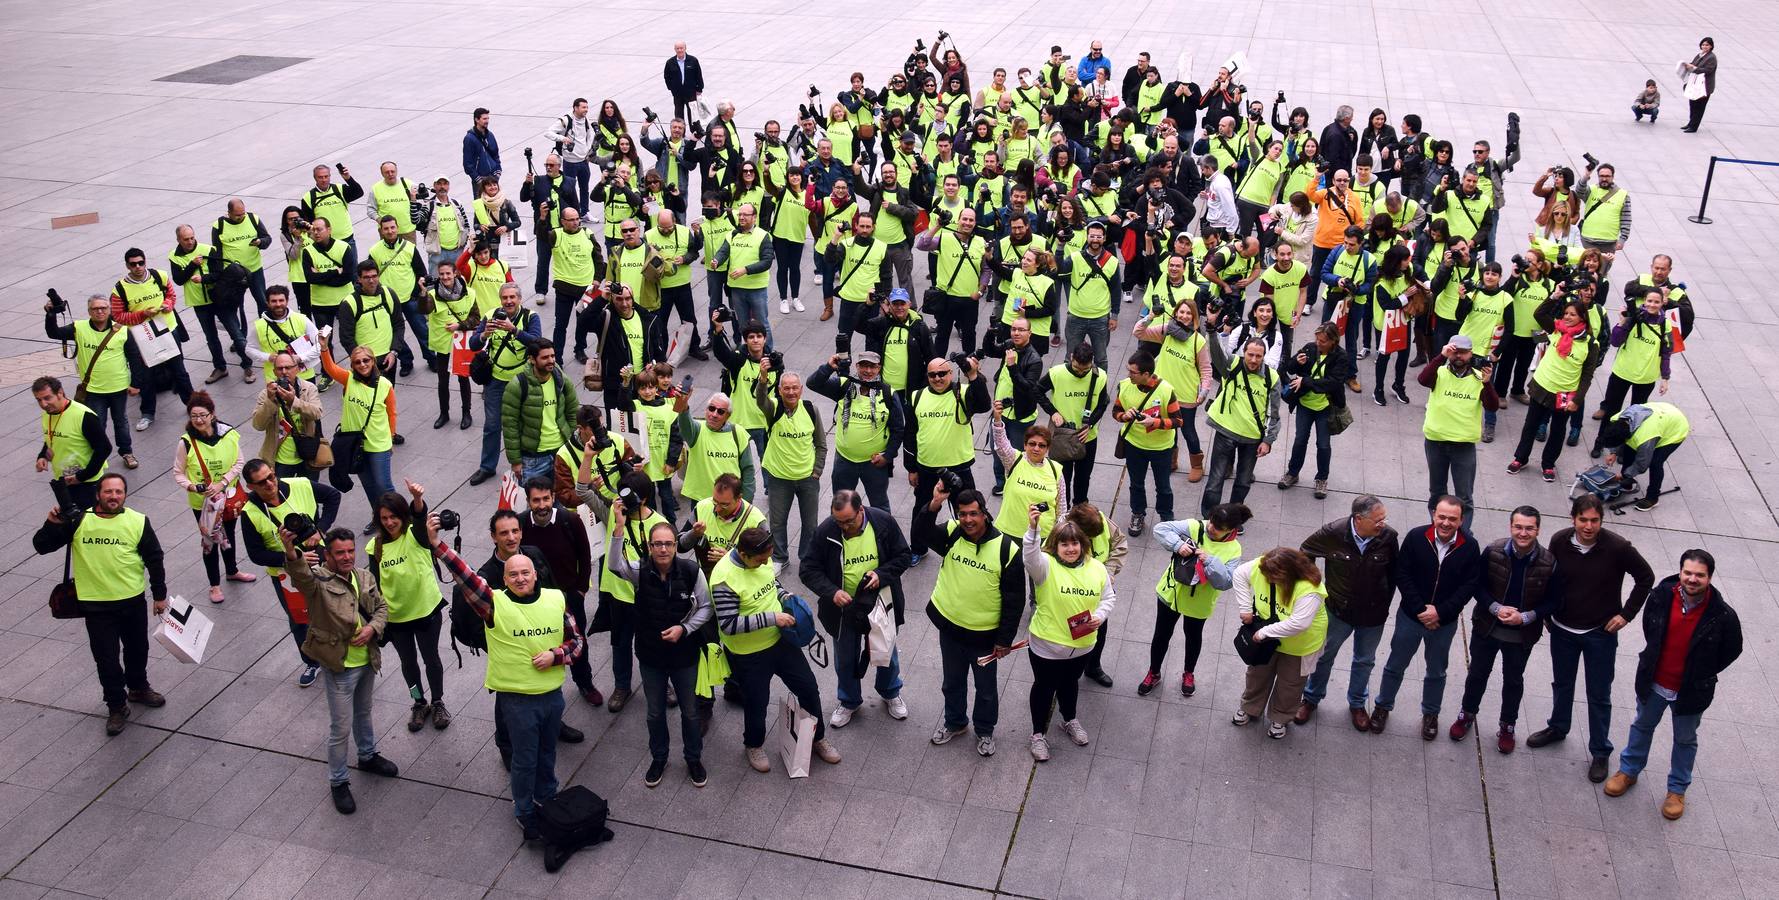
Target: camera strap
x: 1591, y: 207
x: 86, y: 374
x: 963, y: 256
x: 1125, y: 433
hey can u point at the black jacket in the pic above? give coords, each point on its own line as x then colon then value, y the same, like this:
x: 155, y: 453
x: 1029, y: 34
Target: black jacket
x: 876, y: 330
x: 820, y: 571
x: 662, y: 603
x: 1359, y: 585
x: 1024, y: 375
x: 1424, y: 579
x: 1716, y: 643
x: 1333, y: 382
x: 1540, y: 592
x: 1339, y: 143
x: 693, y: 82
x: 842, y: 388
x: 1012, y: 581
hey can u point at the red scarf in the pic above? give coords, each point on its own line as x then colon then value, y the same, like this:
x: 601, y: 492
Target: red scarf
x: 1566, y: 342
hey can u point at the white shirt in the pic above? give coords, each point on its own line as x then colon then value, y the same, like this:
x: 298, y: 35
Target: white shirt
x: 1303, y: 613
x: 1220, y: 211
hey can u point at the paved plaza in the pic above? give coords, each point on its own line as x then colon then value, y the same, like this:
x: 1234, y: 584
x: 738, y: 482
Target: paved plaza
x: 223, y: 793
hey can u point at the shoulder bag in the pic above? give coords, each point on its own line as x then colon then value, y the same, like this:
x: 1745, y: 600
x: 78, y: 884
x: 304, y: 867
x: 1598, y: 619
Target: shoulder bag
x: 1258, y: 653
x: 87, y: 373
x: 64, y: 603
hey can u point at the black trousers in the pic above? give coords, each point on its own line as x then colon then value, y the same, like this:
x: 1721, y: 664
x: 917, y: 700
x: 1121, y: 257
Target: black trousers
x: 417, y: 642
x: 117, y: 633
x: 1057, y: 680
x: 961, y: 313
x: 1079, y: 473
x: 1537, y: 415
x: 1193, y: 629
x: 755, y: 672
x: 926, y: 480
x: 1483, y: 649
x: 1696, y: 111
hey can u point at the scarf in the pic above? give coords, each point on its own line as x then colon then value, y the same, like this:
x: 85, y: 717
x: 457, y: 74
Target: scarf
x: 1566, y: 342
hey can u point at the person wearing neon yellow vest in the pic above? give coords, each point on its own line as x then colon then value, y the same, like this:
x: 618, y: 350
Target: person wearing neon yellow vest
x: 347, y: 619
x: 1605, y: 222
x: 1562, y: 374
x: 1245, y: 418
x: 749, y: 603
x: 101, y: 356
x: 1645, y: 341
x: 1316, y: 376
x: 1461, y: 398
x: 1436, y: 575
x: 272, y: 499
x: 503, y: 336
x: 1096, y: 279
x: 289, y: 406
x: 532, y: 638
x: 957, y: 268
x: 678, y: 247
x: 855, y: 561
x: 329, y: 265
x: 940, y: 437
x: 110, y: 549
x: 746, y: 258
x: 1642, y: 438
x: 1280, y: 595
x: 331, y: 203
x: 371, y: 317
x: 868, y: 422
x: 443, y: 225
x: 1016, y: 387
x: 537, y: 414
x: 207, y: 465
x: 401, y: 560
x: 1072, y: 594
x: 1530, y: 287
x: 401, y: 268
x: 1346, y: 277
x: 1075, y: 396
x: 367, y: 407
x: 1286, y: 283
x: 141, y: 295
x: 453, y: 316
x: 856, y: 262
x: 656, y: 404
x: 1147, y: 409
x: 240, y: 235
x: 1209, y: 548
x: 188, y: 262
x: 796, y: 452
x: 74, y: 444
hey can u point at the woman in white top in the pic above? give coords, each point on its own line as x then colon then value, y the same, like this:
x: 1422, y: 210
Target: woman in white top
x: 1280, y: 597
x: 1262, y: 325
x: 1073, y: 596
x: 1295, y: 223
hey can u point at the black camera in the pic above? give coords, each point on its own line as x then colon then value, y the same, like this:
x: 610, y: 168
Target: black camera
x: 1590, y: 160
x: 528, y: 153
x: 500, y: 315
x: 960, y: 358
x: 56, y: 302
x: 942, y: 216
x: 286, y: 384
x: 449, y: 520
x: 943, y: 36
x: 722, y: 314
x: 954, y: 483
x: 814, y: 92
x: 301, y: 527
x: 1280, y: 98
x: 760, y: 136
x: 650, y: 116
x: 631, y: 500
x: 698, y: 129
x: 1520, y: 261
x: 422, y: 192
x: 920, y: 46
x: 65, y: 505
x: 1041, y: 506
x: 776, y: 357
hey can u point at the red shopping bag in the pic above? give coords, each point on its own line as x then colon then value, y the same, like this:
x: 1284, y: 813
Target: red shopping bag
x: 461, y: 354
x: 512, y: 496
x: 1674, y: 337
x: 1395, y: 332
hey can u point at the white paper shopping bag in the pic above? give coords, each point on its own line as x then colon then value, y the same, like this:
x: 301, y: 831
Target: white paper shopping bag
x: 184, y: 631
x: 881, y: 642
x: 795, y: 736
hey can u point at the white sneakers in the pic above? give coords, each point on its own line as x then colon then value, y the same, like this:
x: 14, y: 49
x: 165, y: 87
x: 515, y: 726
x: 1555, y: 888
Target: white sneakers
x: 797, y: 304
x: 784, y: 306
x: 1040, y: 748
x: 897, y: 709
x: 756, y: 757
x: 840, y: 717
x: 1075, y: 731
x: 143, y: 423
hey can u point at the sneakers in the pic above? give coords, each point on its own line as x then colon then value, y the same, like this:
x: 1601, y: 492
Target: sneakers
x: 130, y: 461
x: 652, y: 777
x: 1647, y: 503
x: 441, y: 717
x: 343, y: 802
x: 1488, y: 435
x: 417, y: 716
x: 943, y: 734
x: 1574, y: 437
x: 1377, y: 397
x: 1400, y: 394
x: 1364, y: 352
x: 695, y: 772
x: 307, y: 679
x: 824, y: 749
x: 1429, y: 727
x: 1461, y: 726
x: 1188, y: 684
x: 985, y: 745
x: 1240, y: 718
x: 1076, y: 732
x: 378, y: 764
x: 1287, y: 482
x: 618, y: 700
x: 998, y: 490
x: 1504, y: 739
x: 756, y: 757
x: 216, y: 375
x: 915, y: 559
x: 1040, y: 748
x: 840, y: 717
x: 797, y: 304
x: 1136, y: 524
x: 1619, y: 783
x: 898, y: 710
x: 1150, y: 680
x: 1321, y: 492
x: 114, y: 720
x: 1548, y: 474
x: 243, y: 577
x: 1275, y: 730
x: 784, y: 307
x: 1514, y: 466
x: 143, y: 423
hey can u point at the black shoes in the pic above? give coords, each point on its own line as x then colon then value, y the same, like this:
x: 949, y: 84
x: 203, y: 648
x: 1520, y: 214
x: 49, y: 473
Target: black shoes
x: 1544, y: 736
x: 1597, y: 769
x: 343, y: 802
x: 480, y: 476
x: 443, y: 420
x: 695, y: 771
x: 378, y: 764
x: 1099, y: 675
x: 568, y: 734
x: 652, y: 777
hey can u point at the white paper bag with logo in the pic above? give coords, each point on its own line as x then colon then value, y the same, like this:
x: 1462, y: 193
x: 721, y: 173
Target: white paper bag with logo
x: 795, y: 735
x: 154, y: 341
x: 882, y: 640
x: 184, y: 631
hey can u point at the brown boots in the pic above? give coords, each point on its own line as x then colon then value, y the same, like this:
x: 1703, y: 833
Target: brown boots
x: 1198, y: 468
x: 827, y: 308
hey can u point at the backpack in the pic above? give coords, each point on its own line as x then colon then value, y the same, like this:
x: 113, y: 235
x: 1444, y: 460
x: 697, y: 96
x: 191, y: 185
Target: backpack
x: 569, y: 821
x: 467, y: 629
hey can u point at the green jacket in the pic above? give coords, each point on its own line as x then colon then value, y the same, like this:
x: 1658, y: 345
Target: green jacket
x: 522, y: 408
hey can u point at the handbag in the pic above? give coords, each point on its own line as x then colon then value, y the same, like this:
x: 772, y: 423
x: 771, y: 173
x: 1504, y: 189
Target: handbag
x: 237, y: 498
x: 1339, y: 420
x: 1066, y: 443
x: 594, y: 377
x: 1258, y: 653
x: 63, y: 602
x: 346, y: 447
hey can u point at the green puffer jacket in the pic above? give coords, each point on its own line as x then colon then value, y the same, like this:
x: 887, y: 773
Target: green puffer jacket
x: 522, y: 411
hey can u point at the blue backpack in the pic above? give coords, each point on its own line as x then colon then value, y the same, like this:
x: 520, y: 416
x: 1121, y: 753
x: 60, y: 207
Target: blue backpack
x: 803, y: 634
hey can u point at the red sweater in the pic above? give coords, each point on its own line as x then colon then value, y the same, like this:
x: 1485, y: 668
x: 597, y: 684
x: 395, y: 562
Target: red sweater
x: 1672, y: 663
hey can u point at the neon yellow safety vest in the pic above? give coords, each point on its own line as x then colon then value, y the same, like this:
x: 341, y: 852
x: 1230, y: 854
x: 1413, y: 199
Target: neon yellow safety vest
x: 450, y: 228
x: 1488, y: 309
x: 1027, y: 485
x: 890, y: 229
x: 148, y: 294
x: 858, y: 555
x: 1066, y: 592
x: 790, y: 445
x: 333, y: 259
x: 674, y: 243
x: 748, y: 414
x: 1639, y: 359
x: 1149, y: 102
x: 395, y: 267
x: 1285, y: 287
x: 744, y: 251
x: 716, y: 234
x: 1004, y: 393
x: 1557, y: 373
x: 1526, y: 299
x: 506, y: 351
x: 715, y: 453
x: 1304, y: 642
x: 859, y: 270
x: 1240, y: 406
x: 1131, y: 399
x: 111, y: 373
x: 720, y: 532
x: 636, y: 536
x: 107, y: 559
x: 294, y: 326
x: 196, y: 294
x: 518, y: 632
x: 362, y: 408
x: 1198, y: 600
x: 757, y: 590
x: 861, y: 427
x: 1601, y: 214
x: 1464, y: 216
x: 374, y: 320
x: 1666, y: 425
x: 790, y: 219
x: 625, y: 267
x: 1021, y: 290
x: 1311, y: 400
x: 605, y: 463
x: 444, y: 311
x: 1090, y: 285
x: 484, y: 285
x: 657, y: 422
x: 67, y: 443
x: 393, y: 200
x: 299, y: 497
x: 1454, y: 408
x: 1074, y: 396
x: 405, y: 576
x: 237, y: 239
x: 1260, y: 185
x: 216, y: 458
x: 331, y: 205
x: 942, y: 427
x: 960, y: 264
x: 968, y: 592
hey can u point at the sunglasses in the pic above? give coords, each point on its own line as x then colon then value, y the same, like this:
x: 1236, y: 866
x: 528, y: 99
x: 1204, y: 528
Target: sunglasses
x: 265, y: 480
x: 939, y: 374
x: 717, y: 409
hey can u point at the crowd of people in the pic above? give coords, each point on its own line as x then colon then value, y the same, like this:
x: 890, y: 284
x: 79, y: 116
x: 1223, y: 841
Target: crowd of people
x: 982, y: 237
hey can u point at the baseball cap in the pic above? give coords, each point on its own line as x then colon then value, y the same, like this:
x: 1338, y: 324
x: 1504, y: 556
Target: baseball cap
x: 898, y: 295
x: 445, y: 178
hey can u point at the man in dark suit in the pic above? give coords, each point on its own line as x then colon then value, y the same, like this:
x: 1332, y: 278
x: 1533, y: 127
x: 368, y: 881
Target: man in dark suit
x: 685, y: 80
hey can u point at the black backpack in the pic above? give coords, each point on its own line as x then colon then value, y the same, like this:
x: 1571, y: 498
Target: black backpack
x: 569, y: 821
x: 467, y: 628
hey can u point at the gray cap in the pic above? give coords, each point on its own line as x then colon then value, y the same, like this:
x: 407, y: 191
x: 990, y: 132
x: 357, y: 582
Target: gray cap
x: 868, y: 357
x: 1462, y: 342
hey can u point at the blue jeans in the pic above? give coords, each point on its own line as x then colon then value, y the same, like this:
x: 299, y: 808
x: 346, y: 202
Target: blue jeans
x: 417, y: 327
x: 113, y: 406
x: 532, y: 721
x: 349, y: 696
x: 958, y: 665
x: 1598, y: 651
x: 1300, y: 441
x: 1686, y: 742
x: 849, y: 674
x: 1095, y: 331
x: 654, y: 690
x: 1016, y: 437
x: 491, y: 395
x: 536, y: 465
x: 751, y: 304
x: 1454, y: 463
x: 576, y: 176
x: 1404, y: 643
x: 849, y: 475
x: 374, y: 469
x: 210, y: 316
x: 1141, y: 463
x: 1365, y: 641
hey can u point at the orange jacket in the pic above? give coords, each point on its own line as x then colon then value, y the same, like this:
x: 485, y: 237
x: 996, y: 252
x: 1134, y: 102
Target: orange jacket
x: 1331, y: 224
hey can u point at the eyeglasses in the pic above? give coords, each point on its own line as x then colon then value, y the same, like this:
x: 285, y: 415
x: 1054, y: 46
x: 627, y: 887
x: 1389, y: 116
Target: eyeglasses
x: 265, y: 480
x: 663, y: 544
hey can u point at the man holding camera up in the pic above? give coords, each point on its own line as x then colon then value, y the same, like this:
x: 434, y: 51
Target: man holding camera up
x: 939, y: 444
x: 976, y: 606
x: 273, y: 503
x: 504, y: 337
x: 856, y: 555
x: 102, y: 353
x: 1605, y: 212
x: 868, y: 424
x: 116, y: 562
x: 1459, y: 392
x: 1244, y: 417
x: 957, y: 277
x: 857, y: 261
x: 629, y: 520
x: 547, y: 197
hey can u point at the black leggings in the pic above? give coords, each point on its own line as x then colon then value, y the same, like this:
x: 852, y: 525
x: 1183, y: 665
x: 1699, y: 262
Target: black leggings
x: 1536, y: 416
x: 788, y: 262
x: 226, y: 553
x: 1056, y: 680
x: 1193, y: 629
x: 415, y: 641
x: 442, y: 365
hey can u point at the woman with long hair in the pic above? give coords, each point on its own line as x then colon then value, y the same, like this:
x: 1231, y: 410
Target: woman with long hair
x: 401, y: 561
x: 610, y: 124
x: 1261, y: 325
x: 1563, y: 372
x: 1183, y: 360
x: 787, y: 220
x: 1394, y: 289
x: 1280, y: 600
x: 207, y: 464
x: 1377, y: 139
x: 1072, y: 595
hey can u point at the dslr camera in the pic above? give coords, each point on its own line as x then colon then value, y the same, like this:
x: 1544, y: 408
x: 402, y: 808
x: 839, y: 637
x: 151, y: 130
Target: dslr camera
x: 814, y: 92
x: 697, y: 129
x: 56, y: 302
x: 422, y: 192
x: 776, y: 357
x: 954, y: 483
x: 302, y: 528
x: 650, y: 116
x: 722, y: 314
x: 1592, y: 162
x: 631, y: 500
x: 450, y: 520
